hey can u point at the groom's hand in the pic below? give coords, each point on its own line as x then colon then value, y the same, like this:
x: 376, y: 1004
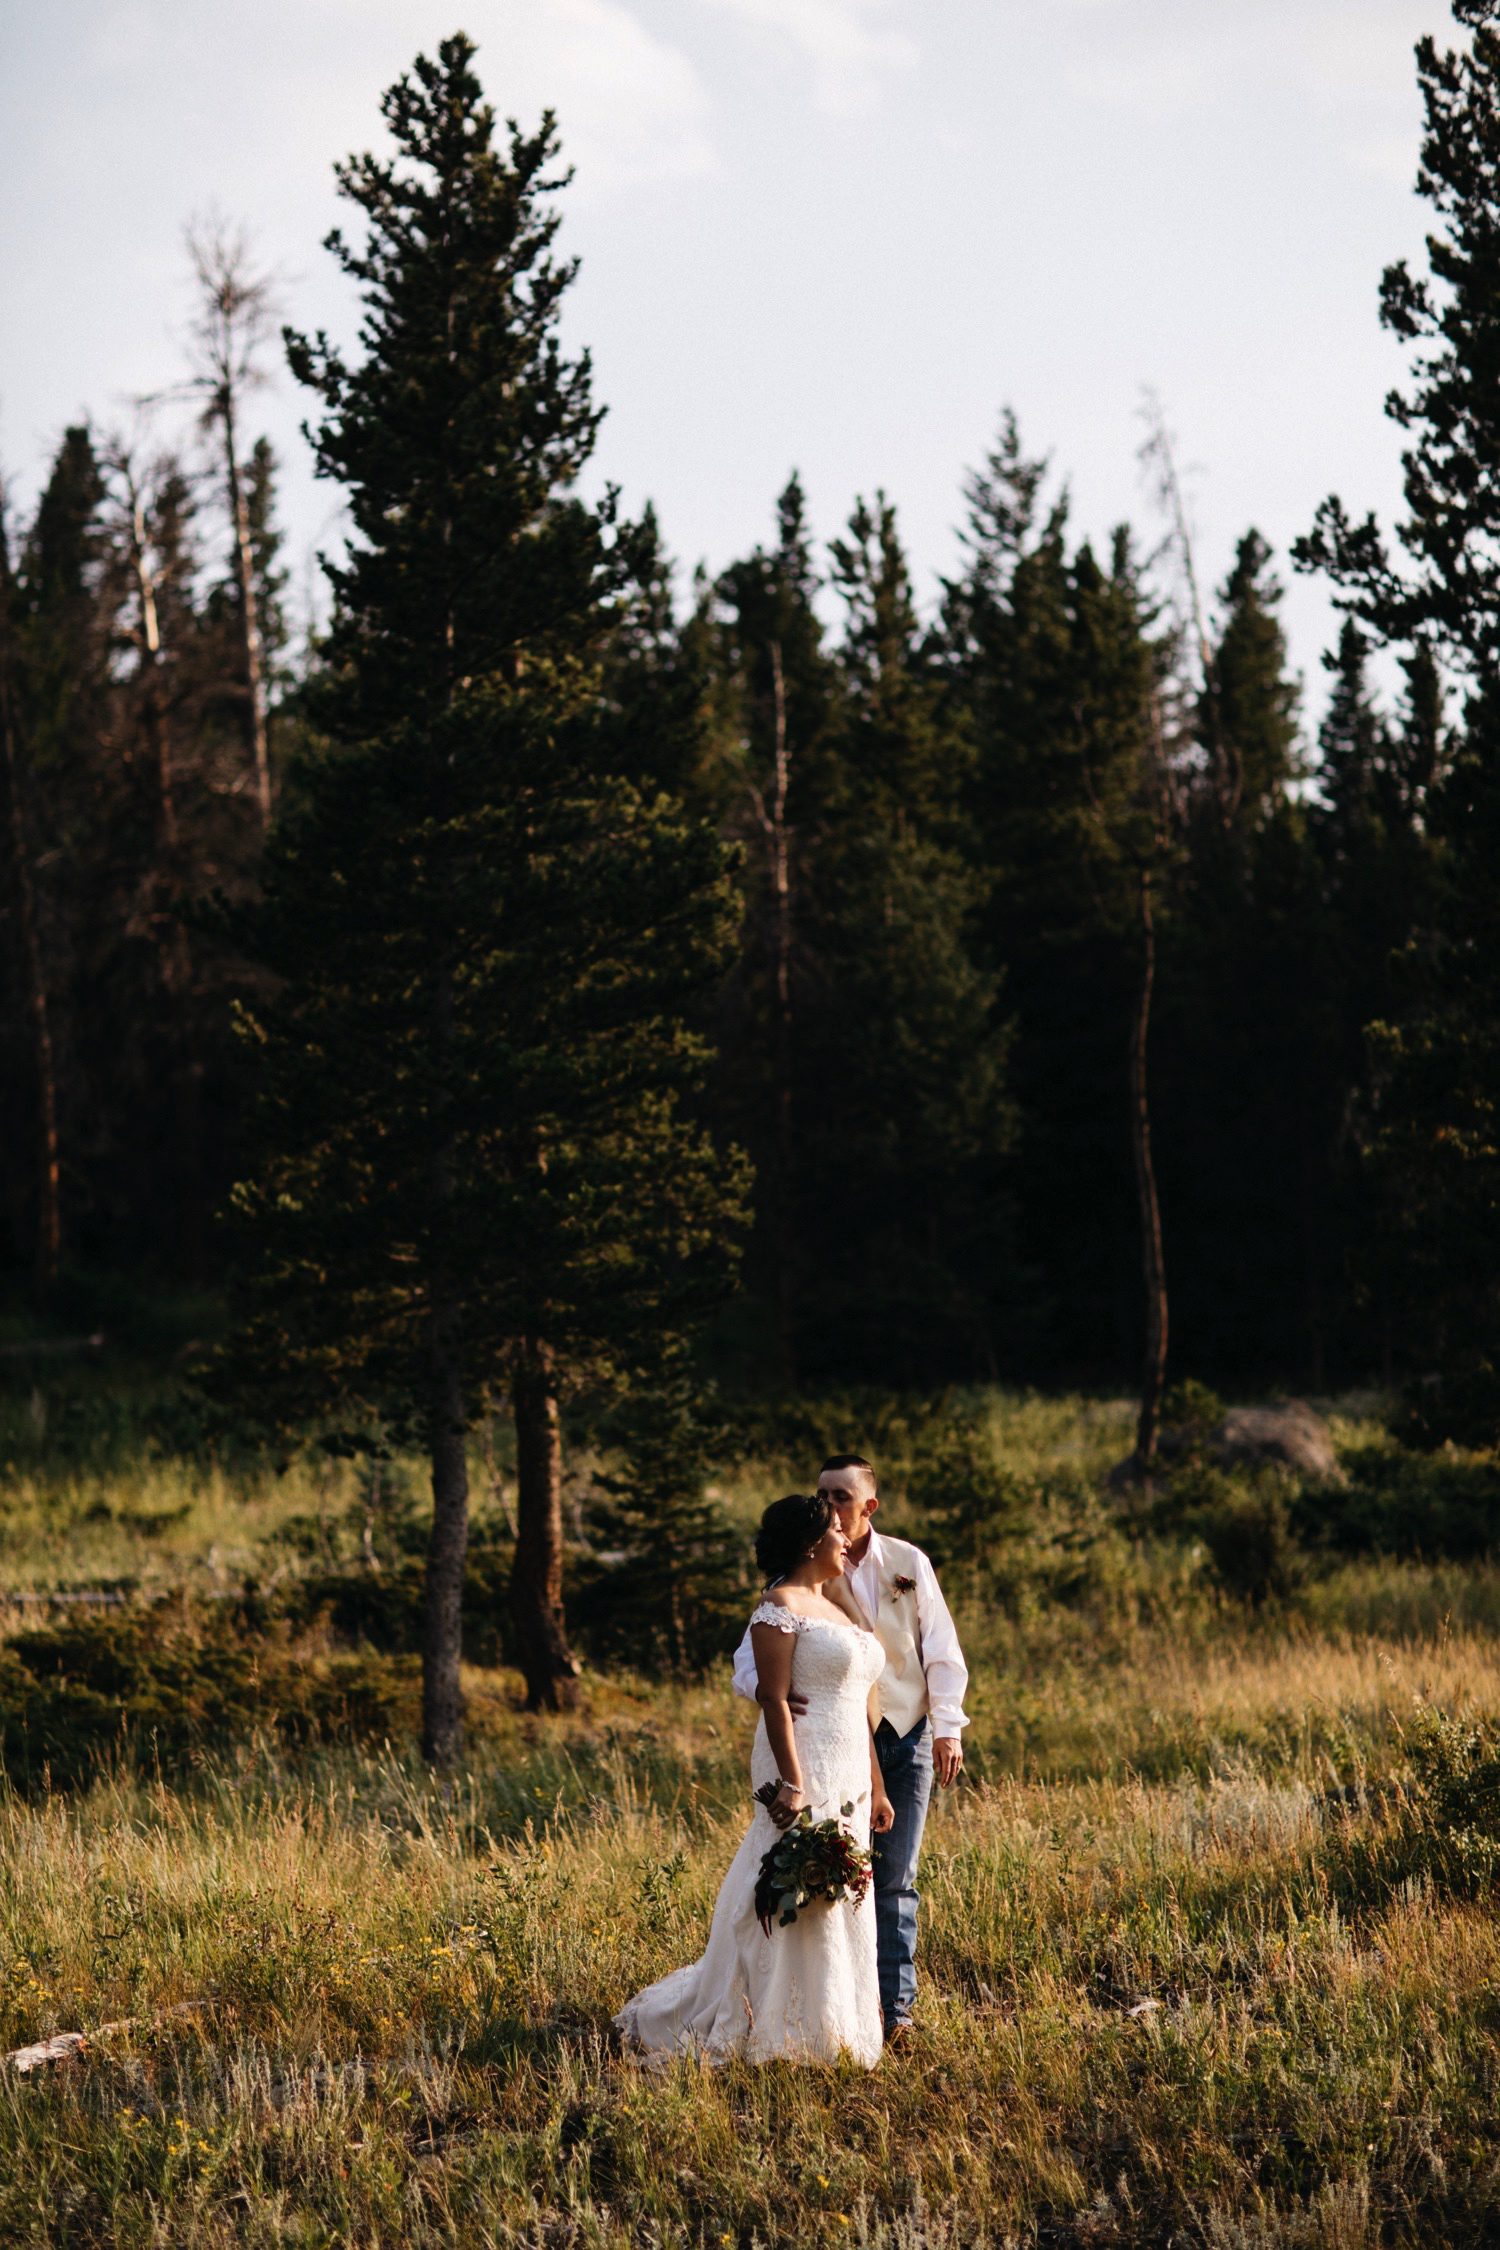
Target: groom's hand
x: 795, y: 1703
x: 947, y: 1758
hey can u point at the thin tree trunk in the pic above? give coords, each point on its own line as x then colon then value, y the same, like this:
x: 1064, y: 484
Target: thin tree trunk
x: 447, y: 1554
x: 536, y: 1606
x: 448, y: 1542
x: 158, y: 731
x: 1153, y: 1266
x: 781, y: 892
x: 47, y: 1254
x: 256, y: 736
x: 1312, y: 1267
x: 176, y: 952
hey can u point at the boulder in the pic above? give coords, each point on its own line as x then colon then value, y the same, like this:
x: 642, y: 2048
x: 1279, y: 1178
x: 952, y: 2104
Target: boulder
x: 1286, y: 1434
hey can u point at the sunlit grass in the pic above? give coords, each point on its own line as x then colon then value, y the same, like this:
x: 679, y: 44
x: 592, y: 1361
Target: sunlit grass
x: 1145, y: 2016
x: 360, y: 2006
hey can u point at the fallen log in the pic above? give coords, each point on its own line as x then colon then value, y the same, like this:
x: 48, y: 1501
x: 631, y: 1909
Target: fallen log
x: 63, y: 2045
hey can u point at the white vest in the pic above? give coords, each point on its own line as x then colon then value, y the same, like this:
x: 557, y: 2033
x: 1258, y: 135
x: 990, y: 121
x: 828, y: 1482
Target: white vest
x: 901, y: 1690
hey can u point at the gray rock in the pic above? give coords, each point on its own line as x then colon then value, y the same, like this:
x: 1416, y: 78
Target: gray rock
x: 1286, y: 1434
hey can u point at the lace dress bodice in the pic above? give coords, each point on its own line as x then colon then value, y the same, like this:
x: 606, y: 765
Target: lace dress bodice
x: 809, y: 1991
x: 834, y: 1666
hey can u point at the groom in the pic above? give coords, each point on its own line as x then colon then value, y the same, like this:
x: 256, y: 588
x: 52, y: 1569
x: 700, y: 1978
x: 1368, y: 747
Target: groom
x: 892, y: 1586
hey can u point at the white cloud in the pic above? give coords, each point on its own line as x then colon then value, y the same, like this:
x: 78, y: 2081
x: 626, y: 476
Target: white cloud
x: 305, y: 74
x: 1167, y: 57
x: 631, y: 105
x: 851, y: 46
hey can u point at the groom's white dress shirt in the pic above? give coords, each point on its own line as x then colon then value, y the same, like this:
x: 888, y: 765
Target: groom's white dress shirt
x: 872, y: 1582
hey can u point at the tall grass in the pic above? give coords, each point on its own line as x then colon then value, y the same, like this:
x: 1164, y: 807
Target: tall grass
x: 1178, y: 1984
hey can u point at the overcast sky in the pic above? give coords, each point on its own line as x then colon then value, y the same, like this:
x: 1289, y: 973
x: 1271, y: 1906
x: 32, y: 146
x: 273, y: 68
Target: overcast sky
x: 831, y: 234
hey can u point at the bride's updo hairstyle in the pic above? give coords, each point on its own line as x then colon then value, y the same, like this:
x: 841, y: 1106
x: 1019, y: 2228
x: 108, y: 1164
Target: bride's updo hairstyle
x: 788, y: 1529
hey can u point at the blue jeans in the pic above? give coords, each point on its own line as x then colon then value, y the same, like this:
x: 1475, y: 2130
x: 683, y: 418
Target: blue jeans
x: 906, y: 1763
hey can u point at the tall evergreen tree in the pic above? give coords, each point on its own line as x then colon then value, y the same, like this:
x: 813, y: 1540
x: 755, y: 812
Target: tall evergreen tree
x: 1246, y: 1036
x: 1250, y: 698
x: 59, y: 648
x: 776, y: 716
x: 904, y: 1119
x: 1436, y: 595
x: 1064, y: 676
x: 473, y: 1163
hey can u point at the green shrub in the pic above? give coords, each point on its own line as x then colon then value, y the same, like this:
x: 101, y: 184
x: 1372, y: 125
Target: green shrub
x: 1244, y: 1521
x: 1018, y: 1537
x: 382, y: 1609
x: 152, y: 1689
x: 1190, y: 1414
x: 1443, y: 1825
x: 1435, y: 1506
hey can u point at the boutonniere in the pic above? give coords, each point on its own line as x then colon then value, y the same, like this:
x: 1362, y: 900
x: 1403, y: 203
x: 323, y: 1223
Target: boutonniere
x: 901, y: 1586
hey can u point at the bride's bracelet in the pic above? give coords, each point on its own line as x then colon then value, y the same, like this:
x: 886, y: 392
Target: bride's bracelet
x: 769, y: 1791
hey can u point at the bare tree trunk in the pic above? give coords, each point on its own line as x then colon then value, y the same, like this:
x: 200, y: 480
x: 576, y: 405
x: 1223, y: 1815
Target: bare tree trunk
x: 1153, y: 1266
x: 148, y: 649
x: 256, y: 735
x: 447, y: 1555
x: 448, y: 1541
x: 1312, y: 1267
x: 536, y: 1607
x: 781, y: 893
x: 1160, y: 453
x: 47, y: 1255
x: 236, y: 308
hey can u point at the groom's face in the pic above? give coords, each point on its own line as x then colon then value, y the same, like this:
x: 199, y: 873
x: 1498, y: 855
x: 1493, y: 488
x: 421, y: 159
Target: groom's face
x: 852, y: 1492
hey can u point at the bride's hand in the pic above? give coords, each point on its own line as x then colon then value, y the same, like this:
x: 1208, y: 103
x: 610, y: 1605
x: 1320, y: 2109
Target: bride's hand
x: 786, y: 1805
x: 882, y: 1814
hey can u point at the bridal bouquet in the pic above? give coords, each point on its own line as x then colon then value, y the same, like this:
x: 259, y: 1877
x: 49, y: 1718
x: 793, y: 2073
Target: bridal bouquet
x: 812, y: 1859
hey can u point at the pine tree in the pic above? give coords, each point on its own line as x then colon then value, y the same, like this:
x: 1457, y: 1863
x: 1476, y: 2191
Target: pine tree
x: 1247, y: 1043
x: 1007, y: 658
x: 1250, y: 700
x: 1064, y: 678
x: 780, y: 689
x: 906, y: 1121
x: 1436, y: 595
x: 673, y: 1596
x: 59, y: 646
x: 473, y: 1162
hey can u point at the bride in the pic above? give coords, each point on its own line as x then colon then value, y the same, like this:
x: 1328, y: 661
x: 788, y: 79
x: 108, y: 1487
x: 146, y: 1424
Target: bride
x: 808, y: 1992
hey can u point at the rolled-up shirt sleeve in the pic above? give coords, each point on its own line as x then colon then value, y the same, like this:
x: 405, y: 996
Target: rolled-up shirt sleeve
x: 942, y: 1658
x: 746, y: 1677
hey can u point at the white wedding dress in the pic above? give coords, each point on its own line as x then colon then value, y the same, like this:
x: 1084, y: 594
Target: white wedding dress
x: 808, y: 1992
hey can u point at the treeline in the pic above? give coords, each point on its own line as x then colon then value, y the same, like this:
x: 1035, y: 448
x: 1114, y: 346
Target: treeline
x: 1057, y: 940
x: 144, y: 658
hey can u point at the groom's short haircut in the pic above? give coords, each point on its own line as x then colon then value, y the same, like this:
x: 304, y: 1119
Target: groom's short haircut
x: 837, y: 1462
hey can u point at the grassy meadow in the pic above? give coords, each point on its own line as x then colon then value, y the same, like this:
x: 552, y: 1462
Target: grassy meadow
x: 1210, y: 1955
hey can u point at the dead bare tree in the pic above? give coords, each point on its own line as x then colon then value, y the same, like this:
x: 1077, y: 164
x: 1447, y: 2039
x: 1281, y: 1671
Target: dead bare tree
x: 229, y: 332
x: 1156, y: 793
x: 1158, y: 457
x: 131, y: 481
